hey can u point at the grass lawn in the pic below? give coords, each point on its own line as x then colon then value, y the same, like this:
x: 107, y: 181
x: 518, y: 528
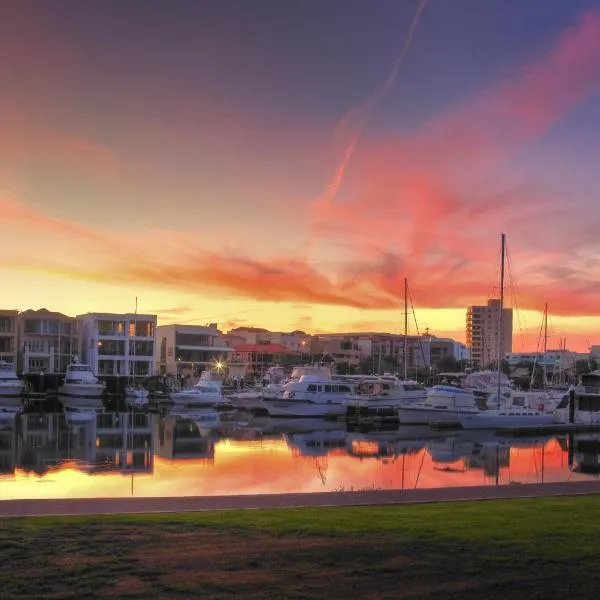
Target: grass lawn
x: 531, y: 548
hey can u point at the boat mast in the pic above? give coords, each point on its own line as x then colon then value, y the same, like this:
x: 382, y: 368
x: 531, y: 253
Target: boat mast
x: 500, y: 317
x: 545, y: 384
x: 405, y: 329
x: 134, y: 332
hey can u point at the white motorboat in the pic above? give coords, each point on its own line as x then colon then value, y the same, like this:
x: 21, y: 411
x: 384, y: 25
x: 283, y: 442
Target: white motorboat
x: 386, y: 391
x: 203, y: 418
x: 137, y: 394
x: 10, y: 384
x: 442, y: 404
x: 203, y: 393
x: 81, y: 410
x: 586, y: 409
x: 311, y: 396
x: 80, y: 381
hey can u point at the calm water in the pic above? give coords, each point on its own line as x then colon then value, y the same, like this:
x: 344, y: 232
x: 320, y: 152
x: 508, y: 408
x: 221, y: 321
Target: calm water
x: 117, y: 454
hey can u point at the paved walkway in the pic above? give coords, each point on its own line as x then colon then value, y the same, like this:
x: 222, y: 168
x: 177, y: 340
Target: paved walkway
x: 108, y: 506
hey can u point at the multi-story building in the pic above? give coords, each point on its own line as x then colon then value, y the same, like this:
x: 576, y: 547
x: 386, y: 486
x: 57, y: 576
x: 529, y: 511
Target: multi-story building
x: 341, y: 348
x: 189, y: 349
x: 118, y: 344
x: 47, y: 341
x: 257, y: 358
x: 8, y: 335
x: 385, y: 350
x: 390, y: 347
x: 443, y: 347
x: 484, y: 337
x: 294, y: 341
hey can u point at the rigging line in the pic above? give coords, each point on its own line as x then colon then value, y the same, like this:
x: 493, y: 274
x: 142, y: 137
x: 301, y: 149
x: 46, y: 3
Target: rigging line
x: 417, y: 327
x: 520, y: 324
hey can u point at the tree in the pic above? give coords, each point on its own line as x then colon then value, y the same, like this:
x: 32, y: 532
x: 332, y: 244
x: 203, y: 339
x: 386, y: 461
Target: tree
x: 448, y: 364
x: 365, y: 366
x: 389, y: 364
x: 583, y: 366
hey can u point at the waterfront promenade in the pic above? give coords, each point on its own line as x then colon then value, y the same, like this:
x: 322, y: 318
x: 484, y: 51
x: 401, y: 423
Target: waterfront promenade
x: 113, y: 506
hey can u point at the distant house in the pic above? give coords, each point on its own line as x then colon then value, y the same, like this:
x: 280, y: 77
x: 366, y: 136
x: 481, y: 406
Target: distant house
x: 259, y: 357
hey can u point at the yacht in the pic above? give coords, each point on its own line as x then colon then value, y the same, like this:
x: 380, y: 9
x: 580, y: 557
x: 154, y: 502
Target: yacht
x: 273, y: 386
x: 80, y: 381
x: 10, y: 384
x: 442, y: 404
x: 81, y: 410
x: 586, y: 410
x: 386, y: 391
x: 311, y: 396
x: 204, y: 393
x: 137, y: 394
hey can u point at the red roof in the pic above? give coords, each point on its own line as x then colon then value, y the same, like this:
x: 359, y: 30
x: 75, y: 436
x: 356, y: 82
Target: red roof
x: 262, y: 348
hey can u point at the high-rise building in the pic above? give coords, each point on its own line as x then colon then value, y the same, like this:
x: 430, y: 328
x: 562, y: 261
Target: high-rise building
x: 484, y: 337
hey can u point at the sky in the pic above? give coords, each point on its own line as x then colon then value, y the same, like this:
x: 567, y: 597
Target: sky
x: 288, y: 164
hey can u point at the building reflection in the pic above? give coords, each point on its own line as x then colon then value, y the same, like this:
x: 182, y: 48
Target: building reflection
x: 8, y: 443
x: 187, y: 434
x: 100, y: 442
x: 586, y: 453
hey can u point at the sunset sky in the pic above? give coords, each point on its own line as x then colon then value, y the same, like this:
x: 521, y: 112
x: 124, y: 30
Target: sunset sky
x: 287, y: 164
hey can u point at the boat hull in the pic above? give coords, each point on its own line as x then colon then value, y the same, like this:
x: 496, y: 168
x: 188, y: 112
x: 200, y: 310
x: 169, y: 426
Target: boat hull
x: 247, y: 400
x: 139, y: 394
x: 11, y: 390
x: 81, y: 390
x: 303, y: 408
x: 191, y: 399
x: 494, y: 419
x: 424, y: 416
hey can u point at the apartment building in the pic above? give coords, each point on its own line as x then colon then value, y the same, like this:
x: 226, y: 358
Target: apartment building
x: 294, y: 341
x: 8, y: 335
x: 118, y: 344
x: 442, y: 347
x: 189, y: 349
x: 47, y: 341
x: 484, y: 337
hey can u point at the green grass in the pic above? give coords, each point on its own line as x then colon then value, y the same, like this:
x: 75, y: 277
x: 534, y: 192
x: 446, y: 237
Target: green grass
x: 530, y: 548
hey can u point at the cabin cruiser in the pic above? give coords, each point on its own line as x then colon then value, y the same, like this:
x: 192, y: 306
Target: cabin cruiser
x: 203, y: 418
x: 81, y: 410
x: 445, y: 403
x: 273, y: 386
x: 386, y: 391
x: 311, y: 396
x: 586, y: 409
x: 10, y: 384
x: 137, y: 394
x: 208, y: 391
x: 80, y: 381
x: 441, y: 404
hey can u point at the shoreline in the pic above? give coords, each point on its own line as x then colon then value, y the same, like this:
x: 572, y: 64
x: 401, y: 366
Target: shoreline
x: 116, y: 506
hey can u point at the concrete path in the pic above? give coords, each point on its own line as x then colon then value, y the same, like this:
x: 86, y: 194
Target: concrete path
x: 109, y: 506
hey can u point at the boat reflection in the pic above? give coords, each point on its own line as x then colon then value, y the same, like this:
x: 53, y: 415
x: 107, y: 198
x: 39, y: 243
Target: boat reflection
x: 201, y: 451
x: 188, y: 433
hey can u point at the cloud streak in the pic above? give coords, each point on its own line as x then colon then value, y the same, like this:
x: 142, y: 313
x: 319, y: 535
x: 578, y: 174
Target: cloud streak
x: 350, y: 128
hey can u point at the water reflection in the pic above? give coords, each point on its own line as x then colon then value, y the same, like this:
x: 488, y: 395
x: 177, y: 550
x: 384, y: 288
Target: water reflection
x: 86, y: 450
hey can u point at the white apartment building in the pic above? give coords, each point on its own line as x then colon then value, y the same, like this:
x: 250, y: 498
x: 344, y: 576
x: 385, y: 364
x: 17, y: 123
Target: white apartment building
x: 47, y: 341
x: 189, y: 349
x: 483, y: 334
x: 118, y: 344
x: 8, y: 336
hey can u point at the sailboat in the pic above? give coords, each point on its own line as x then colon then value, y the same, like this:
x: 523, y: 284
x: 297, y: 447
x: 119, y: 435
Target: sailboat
x: 504, y: 414
x: 137, y: 393
x: 388, y: 391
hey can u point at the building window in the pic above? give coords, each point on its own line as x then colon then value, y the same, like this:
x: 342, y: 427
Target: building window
x: 141, y: 329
